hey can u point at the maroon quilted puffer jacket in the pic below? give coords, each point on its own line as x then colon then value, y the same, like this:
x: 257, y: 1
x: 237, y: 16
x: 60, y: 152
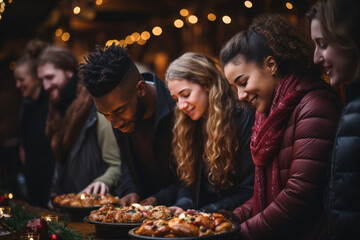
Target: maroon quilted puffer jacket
x: 298, y: 211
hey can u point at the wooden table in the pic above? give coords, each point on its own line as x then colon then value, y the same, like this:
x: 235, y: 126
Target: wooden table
x: 88, y: 230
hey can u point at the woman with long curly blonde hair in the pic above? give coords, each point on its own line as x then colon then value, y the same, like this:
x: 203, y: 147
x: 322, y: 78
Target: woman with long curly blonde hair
x: 211, y: 135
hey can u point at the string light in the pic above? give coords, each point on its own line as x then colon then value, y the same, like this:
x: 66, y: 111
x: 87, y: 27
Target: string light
x: 157, y: 31
x: 289, y: 6
x: 128, y: 40
x: 58, y: 32
x: 77, y: 10
x: 135, y: 36
x: 65, y: 36
x: 145, y: 35
x: 226, y: 19
x: 99, y: 2
x: 211, y: 17
x: 184, y: 12
x: 248, y: 4
x: 122, y: 43
x: 193, y: 19
x: 178, y: 23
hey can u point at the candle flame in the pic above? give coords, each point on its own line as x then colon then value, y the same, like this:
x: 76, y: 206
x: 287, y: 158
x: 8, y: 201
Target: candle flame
x: 10, y: 195
x: 1, y: 211
x: 82, y: 196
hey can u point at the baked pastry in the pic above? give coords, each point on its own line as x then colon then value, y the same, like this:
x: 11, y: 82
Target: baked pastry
x: 187, y: 224
x: 135, y: 213
x: 85, y: 200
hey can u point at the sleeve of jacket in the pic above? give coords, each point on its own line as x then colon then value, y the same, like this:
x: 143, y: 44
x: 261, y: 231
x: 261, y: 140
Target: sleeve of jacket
x: 110, y: 153
x: 344, y: 192
x: 315, y: 124
x: 167, y: 195
x: 244, y: 184
x: 185, y: 198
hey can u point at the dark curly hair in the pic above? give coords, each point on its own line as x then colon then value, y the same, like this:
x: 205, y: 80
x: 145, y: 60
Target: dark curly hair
x: 105, y: 69
x: 272, y: 35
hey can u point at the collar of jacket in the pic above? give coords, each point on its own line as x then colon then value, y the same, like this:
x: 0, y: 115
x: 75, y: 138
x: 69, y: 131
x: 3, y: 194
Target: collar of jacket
x: 164, y: 102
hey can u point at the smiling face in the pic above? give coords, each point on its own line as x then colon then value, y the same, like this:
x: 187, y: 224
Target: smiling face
x: 54, y: 80
x: 254, y: 84
x: 191, y: 98
x: 121, y: 107
x: 338, y: 65
x: 29, y: 85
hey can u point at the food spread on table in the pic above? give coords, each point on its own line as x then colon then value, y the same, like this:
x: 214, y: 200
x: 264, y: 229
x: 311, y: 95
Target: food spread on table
x: 194, y: 224
x: 85, y: 200
x: 135, y: 213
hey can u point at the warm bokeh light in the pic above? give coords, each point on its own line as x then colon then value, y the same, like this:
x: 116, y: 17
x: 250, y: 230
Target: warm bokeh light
x: 122, y: 43
x: 141, y: 41
x: 65, y: 37
x: 226, y: 19
x: 10, y: 1
x: 248, y: 4
x: 193, y: 19
x: 110, y: 42
x: 1, y: 1
x: 82, y: 196
x: 77, y: 10
x: 129, y: 40
x: 10, y: 196
x: 157, y: 31
x: 135, y: 36
x: 2, y: 5
x: 178, y: 23
x: 12, y: 65
x: 211, y: 17
x: 58, y: 32
x: 0, y: 17
x: 184, y: 12
x: 289, y: 6
x: 99, y: 2
x: 145, y: 35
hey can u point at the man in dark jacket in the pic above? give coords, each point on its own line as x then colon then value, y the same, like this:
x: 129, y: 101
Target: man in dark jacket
x: 140, y: 108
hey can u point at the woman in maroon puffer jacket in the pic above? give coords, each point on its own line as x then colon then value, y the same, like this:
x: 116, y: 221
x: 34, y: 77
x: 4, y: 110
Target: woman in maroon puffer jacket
x: 271, y: 67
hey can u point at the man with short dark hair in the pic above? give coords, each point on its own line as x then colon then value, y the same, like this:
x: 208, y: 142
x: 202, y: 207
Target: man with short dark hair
x: 140, y: 108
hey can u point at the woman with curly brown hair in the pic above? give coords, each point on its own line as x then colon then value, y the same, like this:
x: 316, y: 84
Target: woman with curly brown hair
x: 211, y: 136
x: 334, y: 30
x: 271, y: 67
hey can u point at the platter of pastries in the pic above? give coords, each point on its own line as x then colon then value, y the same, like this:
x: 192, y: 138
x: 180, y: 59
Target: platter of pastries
x: 135, y: 213
x: 84, y: 200
x: 188, y: 225
x: 112, y: 221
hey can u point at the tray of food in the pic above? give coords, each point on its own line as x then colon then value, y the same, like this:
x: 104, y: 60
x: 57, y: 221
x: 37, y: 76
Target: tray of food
x: 188, y: 225
x: 80, y: 205
x: 111, y: 221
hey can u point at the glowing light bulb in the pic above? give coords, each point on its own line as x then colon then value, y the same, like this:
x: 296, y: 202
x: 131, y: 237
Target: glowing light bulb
x: 193, y: 19
x: 289, y: 6
x: 226, y: 19
x: 77, y: 10
x: 211, y: 17
x: 178, y: 23
x: 184, y: 12
x: 157, y: 31
x: 248, y: 4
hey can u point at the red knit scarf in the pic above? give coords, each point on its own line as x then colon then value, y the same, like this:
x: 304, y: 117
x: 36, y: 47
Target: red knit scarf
x: 266, y: 140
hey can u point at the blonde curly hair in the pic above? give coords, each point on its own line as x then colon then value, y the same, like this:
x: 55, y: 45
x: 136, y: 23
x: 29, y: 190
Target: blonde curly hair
x: 211, y: 139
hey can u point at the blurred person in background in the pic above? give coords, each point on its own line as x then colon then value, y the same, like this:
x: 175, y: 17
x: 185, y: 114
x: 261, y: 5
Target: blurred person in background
x: 335, y: 32
x: 35, y: 152
x: 297, y: 113
x: 211, y: 136
x: 85, y: 149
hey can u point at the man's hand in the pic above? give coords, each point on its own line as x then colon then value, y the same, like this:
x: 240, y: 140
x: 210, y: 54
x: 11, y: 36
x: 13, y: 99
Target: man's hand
x: 176, y: 210
x: 129, y: 199
x: 149, y: 201
x: 96, y: 187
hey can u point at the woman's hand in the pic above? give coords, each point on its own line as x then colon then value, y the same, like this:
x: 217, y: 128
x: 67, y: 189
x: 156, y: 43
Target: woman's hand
x: 176, y: 210
x: 96, y: 187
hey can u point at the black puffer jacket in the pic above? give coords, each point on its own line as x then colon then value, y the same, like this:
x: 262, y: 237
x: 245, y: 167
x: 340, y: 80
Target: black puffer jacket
x: 343, y: 199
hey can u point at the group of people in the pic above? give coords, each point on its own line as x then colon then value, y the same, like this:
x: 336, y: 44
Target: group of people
x: 259, y: 136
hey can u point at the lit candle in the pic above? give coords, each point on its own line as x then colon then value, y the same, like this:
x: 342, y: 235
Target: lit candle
x: 5, y: 211
x: 30, y: 236
x: 82, y: 196
x: 50, y: 218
